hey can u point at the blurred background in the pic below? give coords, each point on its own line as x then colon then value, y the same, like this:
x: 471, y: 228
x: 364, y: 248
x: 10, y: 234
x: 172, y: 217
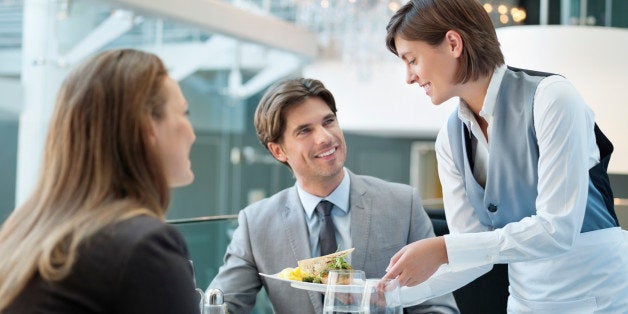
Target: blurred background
x: 226, y: 53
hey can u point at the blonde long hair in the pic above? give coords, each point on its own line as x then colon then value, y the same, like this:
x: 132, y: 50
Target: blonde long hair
x: 98, y: 167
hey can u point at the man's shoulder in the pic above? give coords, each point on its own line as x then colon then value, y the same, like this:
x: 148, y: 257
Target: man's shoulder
x: 270, y: 204
x: 370, y: 182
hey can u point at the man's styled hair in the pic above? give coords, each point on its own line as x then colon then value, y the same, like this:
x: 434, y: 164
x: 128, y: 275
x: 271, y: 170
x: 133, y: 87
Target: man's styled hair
x: 270, y: 121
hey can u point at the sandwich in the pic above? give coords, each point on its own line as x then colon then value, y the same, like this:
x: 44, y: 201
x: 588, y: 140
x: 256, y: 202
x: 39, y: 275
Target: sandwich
x: 316, y: 269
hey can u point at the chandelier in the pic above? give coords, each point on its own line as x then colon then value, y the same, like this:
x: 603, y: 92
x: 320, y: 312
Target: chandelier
x: 504, y: 13
x: 354, y: 30
x: 351, y: 30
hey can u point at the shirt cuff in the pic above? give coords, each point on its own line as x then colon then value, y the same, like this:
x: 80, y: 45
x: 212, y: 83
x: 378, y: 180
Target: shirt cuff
x: 468, y: 250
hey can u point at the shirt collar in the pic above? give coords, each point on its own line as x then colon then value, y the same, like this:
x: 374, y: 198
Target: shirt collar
x: 339, y: 196
x: 488, y: 107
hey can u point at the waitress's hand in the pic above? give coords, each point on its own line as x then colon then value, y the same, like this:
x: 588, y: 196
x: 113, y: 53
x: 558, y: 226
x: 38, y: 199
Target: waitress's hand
x: 417, y: 261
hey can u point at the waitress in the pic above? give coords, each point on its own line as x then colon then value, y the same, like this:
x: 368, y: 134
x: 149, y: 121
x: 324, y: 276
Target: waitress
x: 523, y: 170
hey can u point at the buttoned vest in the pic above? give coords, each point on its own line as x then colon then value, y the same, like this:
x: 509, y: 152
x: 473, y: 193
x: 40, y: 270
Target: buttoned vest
x: 510, y: 191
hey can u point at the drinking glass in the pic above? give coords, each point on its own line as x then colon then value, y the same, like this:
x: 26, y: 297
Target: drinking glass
x: 381, y: 296
x: 344, y: 292
x: 212, y: 302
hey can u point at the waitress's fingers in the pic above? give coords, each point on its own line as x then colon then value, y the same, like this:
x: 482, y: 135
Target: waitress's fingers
x: 396, y: 257
x: 391, y: 272
x: 407, y: 279
x: 394, y: 269
x: 403, y: 280
x: 399, y: 269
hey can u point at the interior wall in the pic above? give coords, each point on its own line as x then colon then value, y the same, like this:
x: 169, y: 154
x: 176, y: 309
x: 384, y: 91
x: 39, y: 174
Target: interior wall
x: 592, y: 58
x: 380, y: 102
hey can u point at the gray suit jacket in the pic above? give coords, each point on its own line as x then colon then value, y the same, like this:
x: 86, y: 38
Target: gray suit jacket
x: 272, y: 234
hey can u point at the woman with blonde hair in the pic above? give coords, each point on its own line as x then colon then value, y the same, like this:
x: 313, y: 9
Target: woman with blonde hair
x: 92, y: 237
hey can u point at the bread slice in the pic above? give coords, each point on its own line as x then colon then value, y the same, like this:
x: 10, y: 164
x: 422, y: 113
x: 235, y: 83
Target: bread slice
x: 318, y: 265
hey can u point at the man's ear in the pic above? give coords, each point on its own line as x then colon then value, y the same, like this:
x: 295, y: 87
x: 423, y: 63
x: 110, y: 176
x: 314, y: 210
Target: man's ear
x: 277, y: 152
x: 454, y: 43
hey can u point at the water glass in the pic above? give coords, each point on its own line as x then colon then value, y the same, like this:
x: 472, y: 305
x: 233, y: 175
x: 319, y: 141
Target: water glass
x: 381, y: 296
x: 344, y: 292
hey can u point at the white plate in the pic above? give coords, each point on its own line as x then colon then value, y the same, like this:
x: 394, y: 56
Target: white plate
x: 409, y: 295
x: 310, y: 286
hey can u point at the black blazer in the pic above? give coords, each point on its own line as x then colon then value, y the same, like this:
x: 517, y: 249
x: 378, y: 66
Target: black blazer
x: 139, y: 265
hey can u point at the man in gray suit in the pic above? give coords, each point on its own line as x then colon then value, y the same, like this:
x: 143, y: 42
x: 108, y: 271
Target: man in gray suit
x: 296, y: 121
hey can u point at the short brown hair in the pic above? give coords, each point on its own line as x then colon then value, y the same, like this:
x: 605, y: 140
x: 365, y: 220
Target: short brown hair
x: 430, y: 20
x: 270, y: 120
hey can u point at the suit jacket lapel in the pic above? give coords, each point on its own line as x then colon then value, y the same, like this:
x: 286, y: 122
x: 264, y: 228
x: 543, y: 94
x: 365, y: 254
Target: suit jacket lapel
x: 296, y: 229
x: 360, y: 203
x: 297, y: 232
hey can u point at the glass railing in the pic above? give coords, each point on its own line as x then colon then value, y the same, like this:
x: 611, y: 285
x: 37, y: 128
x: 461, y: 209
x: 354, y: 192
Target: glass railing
x: 207, y: 240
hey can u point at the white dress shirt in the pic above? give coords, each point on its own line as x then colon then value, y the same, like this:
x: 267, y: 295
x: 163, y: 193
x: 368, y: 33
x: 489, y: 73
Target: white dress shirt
x: 340, y: 213
x: 562, y: 187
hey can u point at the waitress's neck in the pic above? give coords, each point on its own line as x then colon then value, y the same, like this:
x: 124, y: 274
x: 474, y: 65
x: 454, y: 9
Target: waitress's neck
x: 474, y: 92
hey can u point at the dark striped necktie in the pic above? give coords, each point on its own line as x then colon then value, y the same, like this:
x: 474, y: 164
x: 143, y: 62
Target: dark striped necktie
x: 327, y: 236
